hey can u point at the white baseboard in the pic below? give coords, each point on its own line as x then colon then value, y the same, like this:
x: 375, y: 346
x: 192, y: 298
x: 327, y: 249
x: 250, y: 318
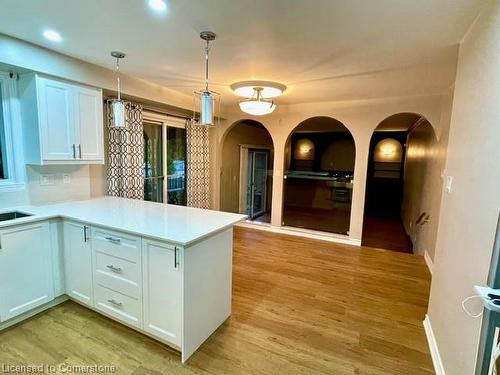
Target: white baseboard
x: 428, y: 261
x: 36, y: 310
x: 431, y: 340
x: 306, y: 233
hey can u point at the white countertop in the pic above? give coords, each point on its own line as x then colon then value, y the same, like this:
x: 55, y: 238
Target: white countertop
x: 176, y: 224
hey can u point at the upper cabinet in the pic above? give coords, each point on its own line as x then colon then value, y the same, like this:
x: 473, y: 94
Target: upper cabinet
x: 62, y: 122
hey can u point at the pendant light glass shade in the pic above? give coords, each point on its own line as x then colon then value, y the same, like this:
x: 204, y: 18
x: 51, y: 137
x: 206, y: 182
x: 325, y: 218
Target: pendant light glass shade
x: 119, y: 113
x: 257, y: 107
x: 207, y: 109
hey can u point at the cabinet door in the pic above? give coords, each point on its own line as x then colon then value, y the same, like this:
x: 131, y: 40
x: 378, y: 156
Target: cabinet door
x: 55, y: 111
x: 78, y: 262
x: 162, y: 283
x: 89, y: 124
x: 26, y: 279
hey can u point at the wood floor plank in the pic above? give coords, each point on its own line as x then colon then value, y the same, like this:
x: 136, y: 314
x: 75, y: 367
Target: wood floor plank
x: 299, y: 307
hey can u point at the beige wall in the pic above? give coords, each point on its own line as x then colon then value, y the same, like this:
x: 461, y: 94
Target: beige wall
x: 360, y: 117
x: 469, y: 214
x: 230, y: 167
x: 424, y: 166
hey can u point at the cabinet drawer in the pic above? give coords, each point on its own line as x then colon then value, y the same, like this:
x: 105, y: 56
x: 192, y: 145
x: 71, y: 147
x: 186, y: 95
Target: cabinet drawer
x: 119, y: 306
x: 116, y: 244
x: 118, y: 274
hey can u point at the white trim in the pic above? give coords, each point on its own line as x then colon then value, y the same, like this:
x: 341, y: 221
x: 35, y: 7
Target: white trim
x: 431, y: 340
x: 173, y: 121
x: 428, y: 261
x: 299, y: 232
x: 18, y: 319
x: 11, y: 112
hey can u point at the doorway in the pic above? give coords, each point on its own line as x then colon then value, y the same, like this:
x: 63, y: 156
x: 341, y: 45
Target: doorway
x: 403, y: 185
x: 247, y: 171
x: 256, y: 195
x: 319, y: 176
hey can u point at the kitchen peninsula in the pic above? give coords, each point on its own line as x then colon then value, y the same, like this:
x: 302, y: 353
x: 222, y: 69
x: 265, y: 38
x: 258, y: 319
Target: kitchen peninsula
x: 163, y: 270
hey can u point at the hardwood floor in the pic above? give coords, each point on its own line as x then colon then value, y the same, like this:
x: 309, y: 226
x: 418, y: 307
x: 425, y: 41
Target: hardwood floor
x: 299, y: 307
x: 386, y: 232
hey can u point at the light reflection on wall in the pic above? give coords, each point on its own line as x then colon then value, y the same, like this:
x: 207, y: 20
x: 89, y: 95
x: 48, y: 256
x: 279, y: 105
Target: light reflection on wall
x: 388, y: 150
x: 304, y: 149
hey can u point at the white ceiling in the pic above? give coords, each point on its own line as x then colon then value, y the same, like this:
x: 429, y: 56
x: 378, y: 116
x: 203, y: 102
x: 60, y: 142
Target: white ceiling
x: 322, y: 49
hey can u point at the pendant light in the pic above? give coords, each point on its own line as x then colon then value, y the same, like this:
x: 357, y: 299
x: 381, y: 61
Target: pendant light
x: 206, y: 97
x: 118, y: 105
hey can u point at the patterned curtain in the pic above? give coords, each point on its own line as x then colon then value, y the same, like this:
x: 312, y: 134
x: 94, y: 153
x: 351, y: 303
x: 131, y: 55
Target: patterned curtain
x: 126, y: 155
x: 198, y: 165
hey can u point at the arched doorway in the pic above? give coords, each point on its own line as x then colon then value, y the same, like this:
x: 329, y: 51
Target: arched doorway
x: 246, y: 171
x: 399, y: 167
x: 319, y: 169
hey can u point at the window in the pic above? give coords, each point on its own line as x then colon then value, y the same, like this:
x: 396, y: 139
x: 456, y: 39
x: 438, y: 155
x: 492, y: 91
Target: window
x: 164, y: 156
x: 11, y: 150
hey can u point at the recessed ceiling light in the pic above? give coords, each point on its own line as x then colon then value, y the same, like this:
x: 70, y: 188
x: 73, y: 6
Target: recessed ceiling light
x: 158, y: 5
x: 52, y: 35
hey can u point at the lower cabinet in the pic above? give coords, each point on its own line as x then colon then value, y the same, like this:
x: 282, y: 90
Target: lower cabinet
x: 78, y: 262
x: 162, y: 281
x: 26, y: 278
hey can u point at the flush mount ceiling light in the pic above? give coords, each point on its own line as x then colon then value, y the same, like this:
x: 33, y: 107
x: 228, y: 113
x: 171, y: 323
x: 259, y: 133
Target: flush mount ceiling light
x: 118, y: 105
x: 52, y: 35
x: 268, y: 89
x: 206, y: 99
x: 258, y: 94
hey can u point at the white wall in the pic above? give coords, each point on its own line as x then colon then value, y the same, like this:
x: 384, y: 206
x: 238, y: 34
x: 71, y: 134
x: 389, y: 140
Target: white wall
x: 469, y: 214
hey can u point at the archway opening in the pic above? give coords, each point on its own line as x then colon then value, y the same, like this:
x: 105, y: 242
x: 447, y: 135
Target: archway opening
x: 246, y: 171
x: 400, y: 164
x: 319, y: 170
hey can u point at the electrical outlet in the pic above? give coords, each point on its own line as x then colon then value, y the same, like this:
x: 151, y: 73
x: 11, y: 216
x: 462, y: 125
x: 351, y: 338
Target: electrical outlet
x: 66, y: 178
x: 46, y: 179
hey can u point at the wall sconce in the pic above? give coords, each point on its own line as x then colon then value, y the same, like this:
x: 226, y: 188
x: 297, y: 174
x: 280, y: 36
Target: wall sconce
x: 388, y: 150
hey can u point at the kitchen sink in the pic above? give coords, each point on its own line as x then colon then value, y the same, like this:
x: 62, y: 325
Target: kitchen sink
x: 4, y: 216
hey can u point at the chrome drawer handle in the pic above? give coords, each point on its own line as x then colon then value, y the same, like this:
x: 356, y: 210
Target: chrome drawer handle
x: 112, y: 239
x: 113, y: 268
x: 116, y: 303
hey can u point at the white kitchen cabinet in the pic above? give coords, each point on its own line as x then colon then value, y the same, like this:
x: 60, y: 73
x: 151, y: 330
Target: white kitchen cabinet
x: 26, y: 278
x: 78, y: 262
x: 162, y: 286
x: 62, y: 121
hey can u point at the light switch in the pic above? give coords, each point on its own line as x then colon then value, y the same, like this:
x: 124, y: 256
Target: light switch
x: 449, y: 183
x: 66, y: 177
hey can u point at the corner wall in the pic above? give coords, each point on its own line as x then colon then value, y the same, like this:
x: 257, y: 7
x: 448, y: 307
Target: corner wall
x: 423, y: 181
x: 470, y: 213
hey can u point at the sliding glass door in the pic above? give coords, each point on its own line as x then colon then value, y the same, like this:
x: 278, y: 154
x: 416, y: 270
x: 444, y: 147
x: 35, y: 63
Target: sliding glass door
x: 164, y: 155
x: 176, y: 165
x: 153, y: 162
x: 256, y: 182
